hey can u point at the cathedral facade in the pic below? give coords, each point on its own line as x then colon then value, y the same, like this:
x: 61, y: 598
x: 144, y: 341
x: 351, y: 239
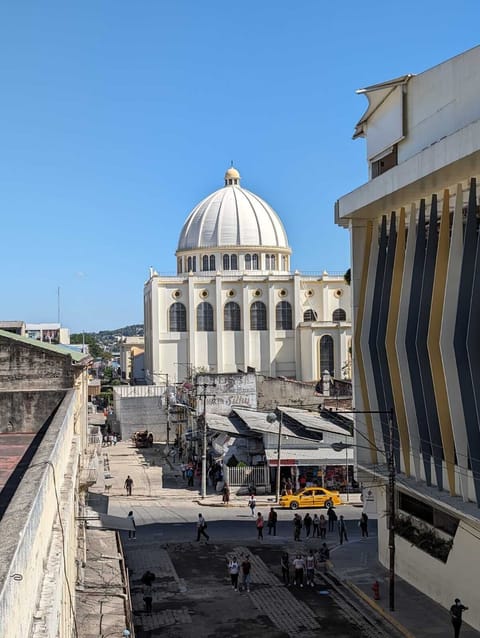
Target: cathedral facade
x: 235, y: 304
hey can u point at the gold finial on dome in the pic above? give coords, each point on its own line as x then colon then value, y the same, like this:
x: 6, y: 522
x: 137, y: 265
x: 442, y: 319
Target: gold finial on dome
x: 232, y: 176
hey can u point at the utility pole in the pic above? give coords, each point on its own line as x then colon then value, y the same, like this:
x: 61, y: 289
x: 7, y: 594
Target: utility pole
x: 204, y: 396
x: 391, y: 522
x: 168, y: 413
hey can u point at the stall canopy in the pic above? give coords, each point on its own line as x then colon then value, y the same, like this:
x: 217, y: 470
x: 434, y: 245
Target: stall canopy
x: 319, y: 457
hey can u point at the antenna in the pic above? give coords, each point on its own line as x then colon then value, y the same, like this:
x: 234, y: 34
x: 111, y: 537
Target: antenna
x: 58, y: 304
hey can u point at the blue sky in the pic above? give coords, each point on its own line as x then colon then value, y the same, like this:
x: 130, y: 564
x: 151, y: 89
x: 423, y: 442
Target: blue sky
x: 117, y: 117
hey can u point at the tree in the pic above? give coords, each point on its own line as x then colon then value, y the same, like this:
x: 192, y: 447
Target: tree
x: 93, y: 347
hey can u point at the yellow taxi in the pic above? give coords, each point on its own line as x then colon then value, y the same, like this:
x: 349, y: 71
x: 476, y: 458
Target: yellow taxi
x: 310, y: 497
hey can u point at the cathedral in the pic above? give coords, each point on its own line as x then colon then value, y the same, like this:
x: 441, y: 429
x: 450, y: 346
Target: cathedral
x: 234, y: 303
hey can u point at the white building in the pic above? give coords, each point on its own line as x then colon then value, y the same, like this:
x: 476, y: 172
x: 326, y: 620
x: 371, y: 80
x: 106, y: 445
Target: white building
x: 234, y: 303
x: 415, y: 288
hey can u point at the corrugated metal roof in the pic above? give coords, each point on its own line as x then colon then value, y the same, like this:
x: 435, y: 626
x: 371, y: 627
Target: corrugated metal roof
x: 320, y: 456
x: 77, y: 357
x: 313, y: 420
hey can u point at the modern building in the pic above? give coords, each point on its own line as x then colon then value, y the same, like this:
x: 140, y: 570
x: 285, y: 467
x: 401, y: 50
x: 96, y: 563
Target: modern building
x: 415, y: 252
x: 48, y: 332
x: 235, y: 304
x: 132, y: 360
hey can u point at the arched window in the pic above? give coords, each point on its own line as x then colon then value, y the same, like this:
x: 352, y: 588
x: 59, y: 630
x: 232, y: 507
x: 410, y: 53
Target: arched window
x: 339, y: 315
x: 309, y: 315
x: 205, y: 262
x: 234, y: 262
x: 205, y: 317
x: 254, y: 262
x: 258, y: 316
x: 189, y: 264
x: 248, y: 262
x: 212, y: 262
x: 226, y: 262
x: 326, y: 354
x: 231, y: 316
x: 270, y: 262
x: 283, y: 316
x: 179, y: 265
x: 284, y: 263
x: 177, y: 318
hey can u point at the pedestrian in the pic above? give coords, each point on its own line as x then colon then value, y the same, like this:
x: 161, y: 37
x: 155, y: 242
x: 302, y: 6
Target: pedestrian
x: 147, y: 598
x: 307, y: 523
x: 189, y: 475
x: 316, y: 526
x: 310, y: 565
x: 183, y: 469
x: 324, y: 555
x: 363, y: 524
x: 323, y: 526
x: 289, y: 487
x: 252, y: 504
x: 225, y: 494
x: 297, y: 527
x: 456, y: 611
x: 233, y: 569
x: 201, y: 527
x: 246, y: 573
x: 148, y: 578
x: 128, y: 485
x: 342, y: 530
x: 272, y: 522
x: 299, y: 566
x: 332, y: 517
x: 285, y: 565
x: 259, y: 523
x: 132, y: 532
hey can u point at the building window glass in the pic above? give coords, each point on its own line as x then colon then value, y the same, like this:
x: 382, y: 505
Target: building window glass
x: 194, y: 260
x: 205, y: 262
x: 258, y: 316
x: 234, y: 262
x: 189, y: 264
x: 326, y: 354
x: 254, y: 262
x: 231, y: 316
x: 270, y: 262
x: 248, y: 262
x: 179, y: 265
x: 284, y: 262
x: 212, y: 262
x: 309, y: 315
x: 205, y: 317
x: 226, y: 262
x: 177, y: 318
x: 339, y: 315
x: 283, y: 316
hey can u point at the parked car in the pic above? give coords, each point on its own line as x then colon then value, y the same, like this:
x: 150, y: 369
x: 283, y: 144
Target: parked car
x: 311, y: 497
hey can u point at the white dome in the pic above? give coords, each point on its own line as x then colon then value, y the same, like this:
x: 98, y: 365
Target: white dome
x: 232, y: 216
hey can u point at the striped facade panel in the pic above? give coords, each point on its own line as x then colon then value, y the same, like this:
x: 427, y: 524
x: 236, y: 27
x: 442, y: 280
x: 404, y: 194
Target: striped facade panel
x: 411, y: 340
x: 421, y: 343
x: 390, y: 343
x: 401, y: 340
x: 376, y: 330
x: 381, y: 341
x: 452, y: 381
x: 461, y: 337
x: 358, y: 326
x: 433, y: 342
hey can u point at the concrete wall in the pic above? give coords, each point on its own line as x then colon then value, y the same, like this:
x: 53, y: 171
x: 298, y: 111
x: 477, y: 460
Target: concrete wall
x: 140, y: 408
x: 273, y: 392
x: 27, y: 411
x: 33, y: 542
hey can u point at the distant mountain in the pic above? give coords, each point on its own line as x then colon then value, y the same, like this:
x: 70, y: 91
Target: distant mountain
x: 136, y: 330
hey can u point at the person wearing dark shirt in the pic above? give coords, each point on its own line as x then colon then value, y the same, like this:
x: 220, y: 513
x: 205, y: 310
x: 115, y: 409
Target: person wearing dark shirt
x: 456, y: 611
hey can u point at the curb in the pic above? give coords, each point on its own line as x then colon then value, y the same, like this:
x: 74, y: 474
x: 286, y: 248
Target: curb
x: 393, y: 621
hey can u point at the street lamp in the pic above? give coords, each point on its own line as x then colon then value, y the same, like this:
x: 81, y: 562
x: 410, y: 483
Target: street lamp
x: 338, y: 447
x: 272, y: 418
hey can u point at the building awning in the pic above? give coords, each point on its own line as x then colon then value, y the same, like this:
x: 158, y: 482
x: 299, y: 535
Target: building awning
x: 320, y: 456
x: 106, y: 521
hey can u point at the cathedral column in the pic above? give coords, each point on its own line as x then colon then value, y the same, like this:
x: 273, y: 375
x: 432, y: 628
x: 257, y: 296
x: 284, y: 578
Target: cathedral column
x: 220, y: 364
x: 192, y: 327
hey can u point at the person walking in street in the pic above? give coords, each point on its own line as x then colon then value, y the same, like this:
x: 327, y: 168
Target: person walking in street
x: 285, y: 565
x: 272, y: 522
x: 456, y: 611
x: 132, y: 532
x: 364, y: 524
x: 189, y: 475
x: 310, y: 566
x: 128, y: 485
x: 323, y: 526
x: 307, y: 522
x: 201, y: 527
x: 342, y: 530
x: 233, y: 570
x: 298, y: 566
x: 147, y: 598
x: 297, y: 527
x: 259, y: 523
x: 324, y: 555
x: 316, y: 526
x: 252, y: 503
x: 332, y: 517
x: 225, y: 494
x: 246, y: 573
